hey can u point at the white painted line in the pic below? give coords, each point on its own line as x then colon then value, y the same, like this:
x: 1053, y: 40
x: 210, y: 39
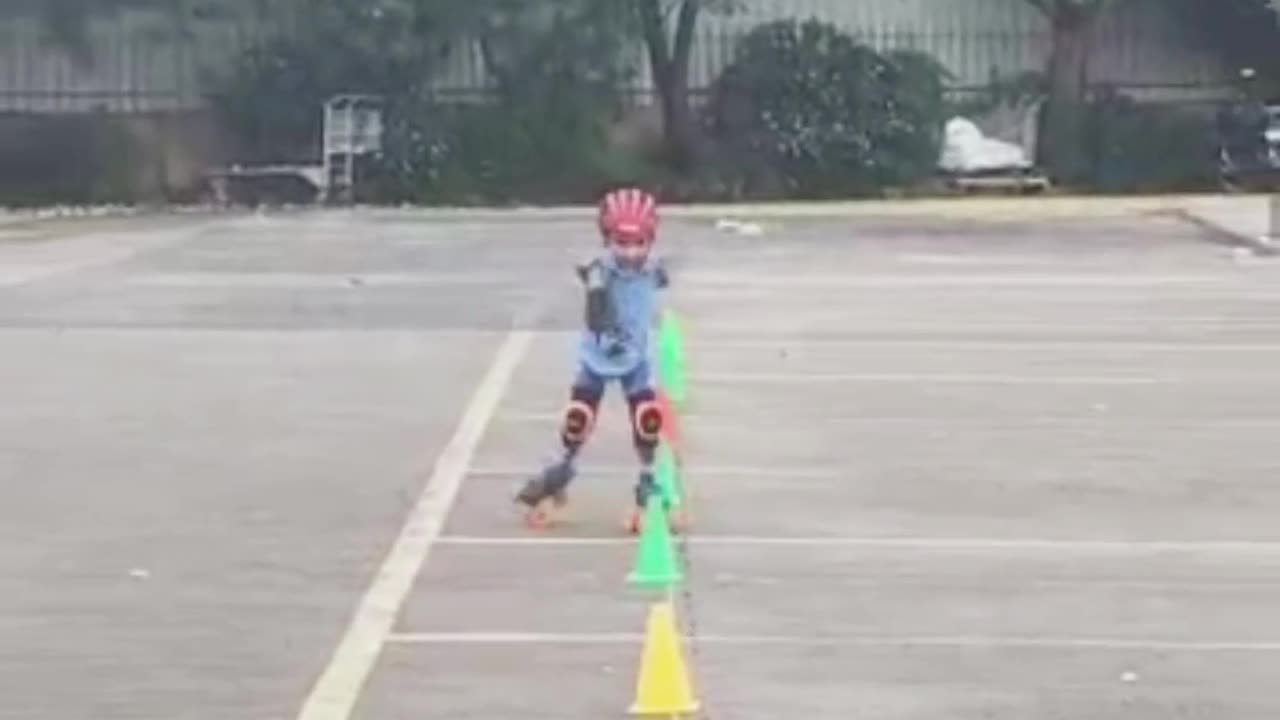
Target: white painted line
x: 534, y: 416
x: 335, y: 693
x: 85, y: 249
x: 1100, y: 417
x: 1097, y: 329
x: 535, y: 541
x: 355, y: 279
x: 504, y: 638
x: 248, y: 333
x: 919, y: 544
x: 1117, y: 336
x: 800, y: 345
x: 828, y: 640
x: 775, y: 278
x: 981, y: 296
x: 690, y: 467
x: 1005, y: 260
x: 934, y: 378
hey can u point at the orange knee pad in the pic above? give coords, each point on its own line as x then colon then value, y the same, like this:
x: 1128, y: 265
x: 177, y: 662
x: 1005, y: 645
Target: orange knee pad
x: 647, y: 421
x: 579, y: 418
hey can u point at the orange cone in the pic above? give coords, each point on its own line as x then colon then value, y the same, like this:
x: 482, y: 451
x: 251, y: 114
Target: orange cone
x: 670, y: 423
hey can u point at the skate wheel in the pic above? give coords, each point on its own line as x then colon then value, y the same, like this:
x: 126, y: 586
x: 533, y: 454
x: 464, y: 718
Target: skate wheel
x: 538, y: 520
x: 538, y: 517
x: 634, y: 522
x: 679, y: 522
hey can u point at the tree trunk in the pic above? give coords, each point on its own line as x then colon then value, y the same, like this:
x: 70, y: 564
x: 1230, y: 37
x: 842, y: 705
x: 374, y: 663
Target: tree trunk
x: 1068, y: 62
x: 1062, y: 146
x: 669, y: 66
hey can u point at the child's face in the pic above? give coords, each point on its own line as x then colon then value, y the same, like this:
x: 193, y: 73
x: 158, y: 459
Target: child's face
x: 629, y: 248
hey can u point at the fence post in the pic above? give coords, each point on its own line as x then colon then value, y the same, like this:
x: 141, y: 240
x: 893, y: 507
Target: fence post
x: 1273, y: 217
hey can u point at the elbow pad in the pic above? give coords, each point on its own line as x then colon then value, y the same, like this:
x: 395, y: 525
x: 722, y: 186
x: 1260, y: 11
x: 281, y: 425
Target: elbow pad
x: 599, y: 310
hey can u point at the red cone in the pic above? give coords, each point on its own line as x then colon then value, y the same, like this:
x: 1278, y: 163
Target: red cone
x: 670, y: 423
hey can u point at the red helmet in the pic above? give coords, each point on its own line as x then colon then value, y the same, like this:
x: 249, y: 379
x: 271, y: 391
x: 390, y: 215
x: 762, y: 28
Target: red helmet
x: 629, y: 222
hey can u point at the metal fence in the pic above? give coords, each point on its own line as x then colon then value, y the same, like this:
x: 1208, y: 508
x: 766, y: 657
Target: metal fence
x: 140, y: 64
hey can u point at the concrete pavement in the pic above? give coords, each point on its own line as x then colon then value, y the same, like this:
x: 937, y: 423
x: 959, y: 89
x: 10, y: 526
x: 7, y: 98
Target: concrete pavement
x: 940, y: 467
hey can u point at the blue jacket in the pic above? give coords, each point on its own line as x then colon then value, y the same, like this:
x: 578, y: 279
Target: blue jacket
x: 634, y: 305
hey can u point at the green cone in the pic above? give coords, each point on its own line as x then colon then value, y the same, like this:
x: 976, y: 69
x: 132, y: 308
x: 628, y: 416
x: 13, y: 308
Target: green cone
x: 667, y: 477
x: 671, y: 359
x: 656, y: 565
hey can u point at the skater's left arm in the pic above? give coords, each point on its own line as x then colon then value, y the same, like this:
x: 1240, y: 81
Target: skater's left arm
x: 661, y: 274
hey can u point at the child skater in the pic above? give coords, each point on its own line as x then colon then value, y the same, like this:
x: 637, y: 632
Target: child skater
x: 622, y: 286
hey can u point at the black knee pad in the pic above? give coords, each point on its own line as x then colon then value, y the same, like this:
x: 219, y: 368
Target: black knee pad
x: 646, y: 419
x: 579, y: 419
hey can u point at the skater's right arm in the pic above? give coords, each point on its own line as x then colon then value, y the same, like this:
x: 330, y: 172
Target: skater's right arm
x: 662, y: 274
x: 599, y: 313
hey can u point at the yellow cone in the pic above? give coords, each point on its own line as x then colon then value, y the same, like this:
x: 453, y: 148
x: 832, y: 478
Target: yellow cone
x: 663, y: 687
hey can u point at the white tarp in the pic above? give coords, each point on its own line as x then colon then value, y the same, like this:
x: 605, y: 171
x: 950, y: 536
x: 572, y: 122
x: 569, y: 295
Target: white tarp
x: 966, y: 150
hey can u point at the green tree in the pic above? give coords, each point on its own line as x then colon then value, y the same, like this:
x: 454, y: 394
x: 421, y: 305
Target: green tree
x: 270, y: 99
x: 806, y: 111
x: 1070, y: 22
x: 669, y: 47
x: 67, y: 23
x: 1243, y: 33
x: 555, y: 72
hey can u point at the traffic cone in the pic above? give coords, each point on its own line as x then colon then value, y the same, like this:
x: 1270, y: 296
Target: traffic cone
x: 670, y: 422
x: 666, y: 477
x: 656, y: 563
x: 663, y: 687
x: 671, y: 365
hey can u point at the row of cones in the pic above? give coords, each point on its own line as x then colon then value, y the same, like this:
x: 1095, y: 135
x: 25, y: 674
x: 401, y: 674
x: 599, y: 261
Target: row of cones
x: 663, y: 687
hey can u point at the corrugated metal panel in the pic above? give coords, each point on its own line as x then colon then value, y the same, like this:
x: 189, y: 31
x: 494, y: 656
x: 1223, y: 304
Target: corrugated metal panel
x: 1136, y: 43
x: 971, y: 37
x: 141, y: 64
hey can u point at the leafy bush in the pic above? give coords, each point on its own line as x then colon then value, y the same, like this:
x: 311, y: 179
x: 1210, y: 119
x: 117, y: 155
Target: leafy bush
x: 47, y: 159
x: 541, y: 137
x: 1149, y: 147
x: 503, y: 152
x: 536, y: 133
x: 805, y: 107
x: 271, y: 99
x: 1132, y: 146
